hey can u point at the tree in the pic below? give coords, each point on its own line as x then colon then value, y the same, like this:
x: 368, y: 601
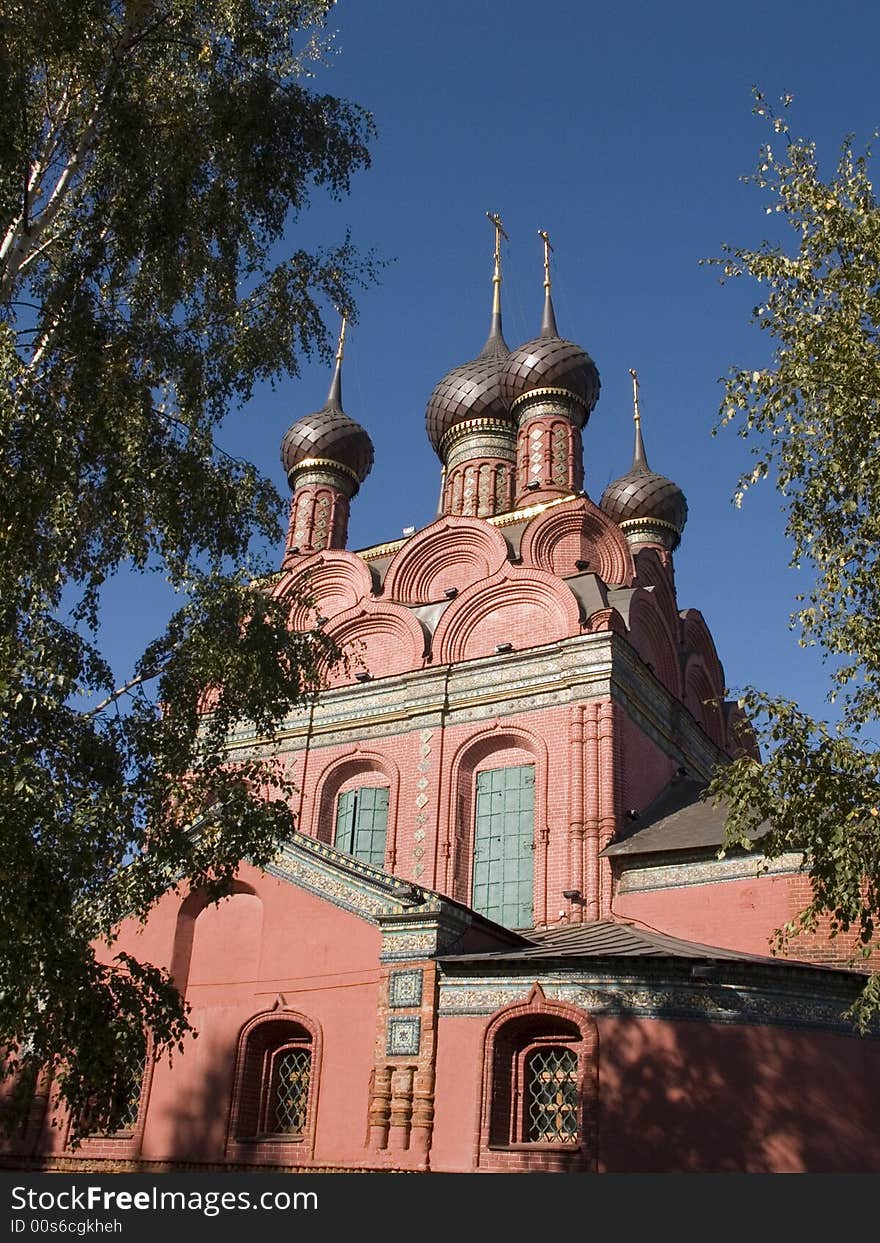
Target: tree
x: 813, y: 414
x: 152, y: 154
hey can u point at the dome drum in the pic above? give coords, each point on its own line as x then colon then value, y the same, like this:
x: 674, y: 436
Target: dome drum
x: 479, y: 438
x: 324, y: 472
x: 549, y: 453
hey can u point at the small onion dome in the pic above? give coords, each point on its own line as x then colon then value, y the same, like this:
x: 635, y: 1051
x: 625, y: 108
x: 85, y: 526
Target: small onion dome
x: 550, y: 362
x: 471, y: 391
x: 329, y: 436
x: 642, y: 496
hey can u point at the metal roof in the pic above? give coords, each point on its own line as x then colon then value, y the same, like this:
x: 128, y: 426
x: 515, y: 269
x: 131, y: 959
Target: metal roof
x: 676, y: 820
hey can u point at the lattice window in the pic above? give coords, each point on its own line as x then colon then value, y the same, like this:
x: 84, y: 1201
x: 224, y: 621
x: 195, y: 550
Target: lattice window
x: 551, y: 1076
x: 287, y: 1103
x: 362, y: 823
x: 119, y: 1113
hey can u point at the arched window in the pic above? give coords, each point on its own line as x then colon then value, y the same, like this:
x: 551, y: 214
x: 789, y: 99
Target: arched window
x: 116, y: 1112
x: 276, y: 1081
x: 362, y: 823
x: 540, y: 1073
x: 504, y: 844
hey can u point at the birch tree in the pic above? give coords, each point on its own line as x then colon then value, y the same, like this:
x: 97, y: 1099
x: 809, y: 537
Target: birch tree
x: 154, y: 157
x: 812, y: 415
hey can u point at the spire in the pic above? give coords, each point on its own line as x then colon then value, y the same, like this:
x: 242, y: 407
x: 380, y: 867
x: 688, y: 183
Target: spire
x: 495, y: 342
x: 548, y: 321
x: 334, y: 397
x: 640, y: 461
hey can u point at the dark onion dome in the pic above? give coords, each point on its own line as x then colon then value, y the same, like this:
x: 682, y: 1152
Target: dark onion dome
x: 549, y: 361
x: 471, y: 391
x: 328, y: 435
x: 641, y: 495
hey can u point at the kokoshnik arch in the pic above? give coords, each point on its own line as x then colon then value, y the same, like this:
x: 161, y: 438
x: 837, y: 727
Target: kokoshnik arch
x: 502, y: 937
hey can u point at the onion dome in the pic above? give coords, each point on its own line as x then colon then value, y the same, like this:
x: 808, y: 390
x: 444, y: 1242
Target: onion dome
x: 550, y: 362
x: 642, y: 499
x: 472, y: 391
x: 328, y: 437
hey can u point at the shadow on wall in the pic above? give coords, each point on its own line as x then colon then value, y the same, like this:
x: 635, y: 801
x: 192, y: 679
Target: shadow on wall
x: 712, y: 1098
x: 196, y: 1120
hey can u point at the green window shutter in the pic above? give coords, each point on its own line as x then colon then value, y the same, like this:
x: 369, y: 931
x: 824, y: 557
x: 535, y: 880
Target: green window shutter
x: 345, y: 809
x: 362, y: 823
x: 504, y: 833
x: 371, y: 823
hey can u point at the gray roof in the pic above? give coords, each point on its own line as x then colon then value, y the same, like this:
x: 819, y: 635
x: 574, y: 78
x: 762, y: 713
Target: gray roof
x: 609, y: 938
x: 677, y: 820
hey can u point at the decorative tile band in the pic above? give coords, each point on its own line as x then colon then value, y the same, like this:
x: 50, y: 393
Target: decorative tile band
x: 636, y: 878
x: 730, y: 1004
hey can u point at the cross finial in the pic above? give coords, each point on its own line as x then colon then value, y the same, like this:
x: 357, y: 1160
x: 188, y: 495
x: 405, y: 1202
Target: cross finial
x: 636, y: 412
x: 334, y: 397
x: 545, y: 238
x: 496, y: 277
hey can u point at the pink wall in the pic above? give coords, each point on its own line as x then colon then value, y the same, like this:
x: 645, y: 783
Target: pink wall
x: 693, y: 1097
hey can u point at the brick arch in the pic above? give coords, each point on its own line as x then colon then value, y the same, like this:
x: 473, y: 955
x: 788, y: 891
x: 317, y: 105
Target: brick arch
x: 649, y: 635
x: 525, y: 607
x: 334, y: 581
x: 452, y: 552
x: 578, y: 531
x: 255, y: 1038
x: 509, y: 1033
x: 378, y: 638
x: 373, y: 768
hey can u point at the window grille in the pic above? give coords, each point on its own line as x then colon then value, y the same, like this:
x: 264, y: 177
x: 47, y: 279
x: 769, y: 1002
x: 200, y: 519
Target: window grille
x: 552, y: 1096
x: 289, y: 1098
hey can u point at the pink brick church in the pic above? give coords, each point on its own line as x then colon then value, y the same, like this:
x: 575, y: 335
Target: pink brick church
x: 502, y: 938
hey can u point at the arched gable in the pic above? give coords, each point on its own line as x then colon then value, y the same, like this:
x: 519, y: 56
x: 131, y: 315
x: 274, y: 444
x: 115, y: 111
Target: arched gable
x: 560, y: 537
x: 332, y: 581
x: 649, y: 635
x: 524, y: 607
x: 378, y: 639
x: 451, y: 553
x: 651, y: 572
x: 696, y: 639
x: 702, y: 700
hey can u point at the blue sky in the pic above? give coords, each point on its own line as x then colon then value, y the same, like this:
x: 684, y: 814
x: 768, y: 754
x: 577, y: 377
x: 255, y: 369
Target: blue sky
x: 623, y: 129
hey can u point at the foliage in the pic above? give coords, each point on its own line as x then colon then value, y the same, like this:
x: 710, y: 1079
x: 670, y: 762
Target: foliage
x: 152, y: 155
x: 812, y: 415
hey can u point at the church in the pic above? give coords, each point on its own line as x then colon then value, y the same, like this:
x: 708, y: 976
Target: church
x: 503, y: 937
